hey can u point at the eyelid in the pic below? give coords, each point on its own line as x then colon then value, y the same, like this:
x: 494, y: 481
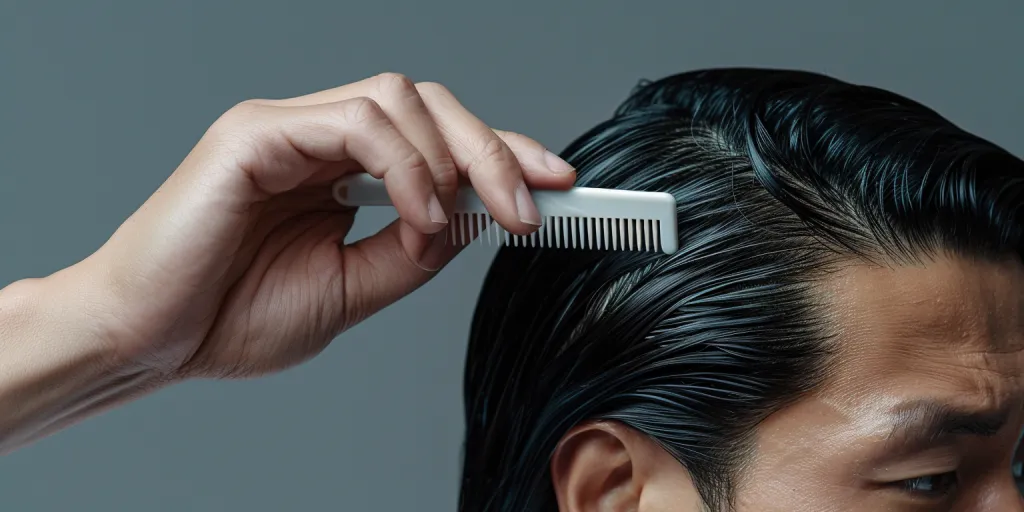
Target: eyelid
x: 903, y: 477
x: 934, y: 461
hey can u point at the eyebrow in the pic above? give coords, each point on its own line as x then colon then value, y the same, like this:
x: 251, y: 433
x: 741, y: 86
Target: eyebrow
x: 924, y: 422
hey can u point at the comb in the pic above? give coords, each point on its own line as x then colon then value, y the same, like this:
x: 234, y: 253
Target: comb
x: 578, y: 218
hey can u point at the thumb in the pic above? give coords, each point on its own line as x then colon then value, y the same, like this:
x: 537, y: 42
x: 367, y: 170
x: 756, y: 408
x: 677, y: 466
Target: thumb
x: 381, y: 269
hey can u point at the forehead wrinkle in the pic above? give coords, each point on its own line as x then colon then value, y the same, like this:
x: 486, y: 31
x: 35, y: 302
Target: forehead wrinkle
x: 998, y: 304
x: 944, y: 323
x: 967, y: 304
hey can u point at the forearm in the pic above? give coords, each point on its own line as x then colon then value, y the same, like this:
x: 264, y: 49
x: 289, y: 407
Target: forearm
x: 56, y: 367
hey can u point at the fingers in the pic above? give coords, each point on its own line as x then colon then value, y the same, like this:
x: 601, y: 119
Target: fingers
x: 353, y: 90
x: 500, y: 165
x: 401, y: 103
x: 494, y: 169
x: 378, y: 270
x: 419, y: 139
x: 354, y: 129
x: 541, y: 168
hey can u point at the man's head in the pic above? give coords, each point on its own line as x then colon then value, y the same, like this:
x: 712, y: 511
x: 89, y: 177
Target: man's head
x: 841, y: 329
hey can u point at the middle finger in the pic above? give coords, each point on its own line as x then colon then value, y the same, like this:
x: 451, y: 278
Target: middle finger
x: 401, y: 102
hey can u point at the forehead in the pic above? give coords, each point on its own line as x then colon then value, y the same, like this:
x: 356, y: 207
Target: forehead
x: 948, y: 326
x: 949, y: 331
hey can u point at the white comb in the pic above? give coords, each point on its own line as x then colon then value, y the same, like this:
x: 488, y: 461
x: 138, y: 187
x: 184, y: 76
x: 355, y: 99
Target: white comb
x: 578, y: 218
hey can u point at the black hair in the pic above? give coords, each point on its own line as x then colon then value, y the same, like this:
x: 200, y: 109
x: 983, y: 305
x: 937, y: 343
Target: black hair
x: 779, y: 175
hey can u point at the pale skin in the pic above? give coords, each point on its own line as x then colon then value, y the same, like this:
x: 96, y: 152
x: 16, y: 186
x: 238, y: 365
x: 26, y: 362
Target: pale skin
x: 238, y: 266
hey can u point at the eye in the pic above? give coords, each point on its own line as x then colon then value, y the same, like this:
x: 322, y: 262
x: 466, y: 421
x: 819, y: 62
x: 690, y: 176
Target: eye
x: 929, y: 486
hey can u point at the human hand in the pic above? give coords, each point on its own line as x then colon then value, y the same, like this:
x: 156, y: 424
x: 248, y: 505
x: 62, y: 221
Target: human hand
x: 237, y: 265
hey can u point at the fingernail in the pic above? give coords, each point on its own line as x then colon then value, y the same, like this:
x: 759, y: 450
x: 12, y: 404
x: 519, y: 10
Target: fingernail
x: 433, y: 255
x: 435, y: 210
x: 556, y: 164
x: 528, y: 213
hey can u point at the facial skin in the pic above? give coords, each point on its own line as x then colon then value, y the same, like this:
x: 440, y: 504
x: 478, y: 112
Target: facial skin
x: 922, y: 410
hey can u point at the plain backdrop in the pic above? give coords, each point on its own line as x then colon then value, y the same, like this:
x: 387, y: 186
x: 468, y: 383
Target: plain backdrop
x: 100, y: 100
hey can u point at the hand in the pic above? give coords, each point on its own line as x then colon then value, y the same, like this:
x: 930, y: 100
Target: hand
x: 237, y: 265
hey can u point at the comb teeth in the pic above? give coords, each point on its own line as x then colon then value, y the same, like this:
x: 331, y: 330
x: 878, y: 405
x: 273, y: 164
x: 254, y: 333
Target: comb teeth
x: 577, y: 218
x: 592, y: 233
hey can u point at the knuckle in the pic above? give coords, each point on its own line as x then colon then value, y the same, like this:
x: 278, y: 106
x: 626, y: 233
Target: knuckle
x: 491, y: 150
x: 395, y: 84
x: 512, y: 137
x: 245, y: 109
x: 241, y: 115
x: 360, y: 110
x: 517, y: 141
x: 446, y: 175
x: 414, y: 163
x: 239, y: 123
x: 433, y: 89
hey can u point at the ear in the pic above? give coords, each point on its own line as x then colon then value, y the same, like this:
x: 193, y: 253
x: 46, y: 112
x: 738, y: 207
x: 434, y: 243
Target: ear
x: 605, y: 466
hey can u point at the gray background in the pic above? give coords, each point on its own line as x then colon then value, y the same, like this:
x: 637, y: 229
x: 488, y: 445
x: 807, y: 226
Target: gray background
x: 100, y: 100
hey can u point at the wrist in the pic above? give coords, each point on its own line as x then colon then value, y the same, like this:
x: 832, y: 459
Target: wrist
x: 58, y: 317
x: 58, y: 363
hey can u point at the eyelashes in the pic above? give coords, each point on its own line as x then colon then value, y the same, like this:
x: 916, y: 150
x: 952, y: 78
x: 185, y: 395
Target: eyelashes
x: 940, y: 485
x: 930, y: 486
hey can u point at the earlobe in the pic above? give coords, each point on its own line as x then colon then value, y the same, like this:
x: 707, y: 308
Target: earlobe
x: 593, y: 470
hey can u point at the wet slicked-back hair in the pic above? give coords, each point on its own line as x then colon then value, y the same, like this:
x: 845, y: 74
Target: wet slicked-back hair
x: 778, y: 175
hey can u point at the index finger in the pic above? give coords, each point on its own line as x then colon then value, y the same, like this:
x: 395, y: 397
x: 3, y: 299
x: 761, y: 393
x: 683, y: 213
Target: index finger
x: 401, y: 103
x: 494, y: 169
